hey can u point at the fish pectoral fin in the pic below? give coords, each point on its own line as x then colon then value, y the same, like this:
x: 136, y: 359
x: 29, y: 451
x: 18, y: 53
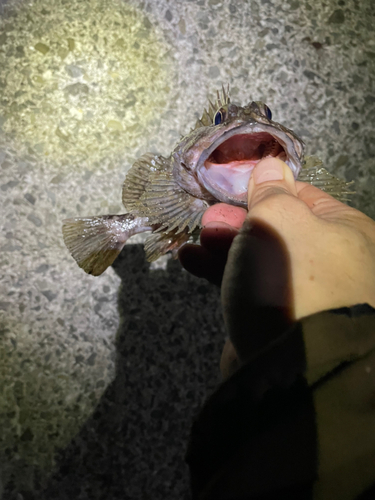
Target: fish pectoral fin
x: 314, y: 173
x: 150, y: 190
x: 169, y: 206
x: 311, y: 162
x: 139, y: 177
x: 95, y: 242
x: 159, y: 244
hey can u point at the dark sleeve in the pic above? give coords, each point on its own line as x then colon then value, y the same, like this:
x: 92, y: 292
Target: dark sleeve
x: 298, y: 421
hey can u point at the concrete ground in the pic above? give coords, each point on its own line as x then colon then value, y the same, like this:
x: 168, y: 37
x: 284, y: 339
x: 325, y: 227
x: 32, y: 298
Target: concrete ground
x: 101, y: 377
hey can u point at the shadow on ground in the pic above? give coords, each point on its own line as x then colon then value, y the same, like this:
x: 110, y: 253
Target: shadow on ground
x: 168, y: 350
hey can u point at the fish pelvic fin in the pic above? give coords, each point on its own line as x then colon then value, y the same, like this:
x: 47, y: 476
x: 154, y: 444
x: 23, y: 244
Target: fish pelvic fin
x: 95, y: 242
x: 314, y: 173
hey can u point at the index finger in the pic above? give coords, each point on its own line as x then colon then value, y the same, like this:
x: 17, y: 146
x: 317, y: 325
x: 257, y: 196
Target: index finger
x: 222, y: 212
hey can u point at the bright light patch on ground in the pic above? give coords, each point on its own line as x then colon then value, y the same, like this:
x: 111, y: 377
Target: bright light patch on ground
x: 79, y: 79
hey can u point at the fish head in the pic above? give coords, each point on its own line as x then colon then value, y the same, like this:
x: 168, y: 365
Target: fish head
x: 215, y: 161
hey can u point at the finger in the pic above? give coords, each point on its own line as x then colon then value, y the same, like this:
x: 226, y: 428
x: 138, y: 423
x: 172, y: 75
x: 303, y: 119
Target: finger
x: 270, y: 177
x: 198, y: 261
x: 221, y: 212
x: 217, y: 237
x: 209, y: 259
x: 194, y: 259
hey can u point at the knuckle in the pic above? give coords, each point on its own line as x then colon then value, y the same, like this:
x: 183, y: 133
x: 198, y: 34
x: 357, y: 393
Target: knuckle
x: 279, y: 205
x: 274, y: 197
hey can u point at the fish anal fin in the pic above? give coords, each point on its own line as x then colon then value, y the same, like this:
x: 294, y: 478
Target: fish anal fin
x: 159, y: 244
x: 97, y: 263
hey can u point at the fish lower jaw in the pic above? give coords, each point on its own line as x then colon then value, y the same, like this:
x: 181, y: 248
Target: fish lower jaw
x: 233, y: 177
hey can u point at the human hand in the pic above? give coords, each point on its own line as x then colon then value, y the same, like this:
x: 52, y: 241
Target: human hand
x: 299, y: 251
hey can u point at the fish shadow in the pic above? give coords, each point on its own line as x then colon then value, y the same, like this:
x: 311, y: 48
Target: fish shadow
x: 168, y: 348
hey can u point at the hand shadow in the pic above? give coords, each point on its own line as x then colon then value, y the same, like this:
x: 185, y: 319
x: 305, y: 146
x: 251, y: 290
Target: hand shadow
x: 168, y: 349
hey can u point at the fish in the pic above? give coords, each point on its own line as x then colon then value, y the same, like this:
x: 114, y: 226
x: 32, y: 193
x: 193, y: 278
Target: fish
x: 211, y: 164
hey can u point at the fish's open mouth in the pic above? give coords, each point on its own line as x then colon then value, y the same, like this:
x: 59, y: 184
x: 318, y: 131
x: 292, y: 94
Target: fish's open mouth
x: 228, y: 168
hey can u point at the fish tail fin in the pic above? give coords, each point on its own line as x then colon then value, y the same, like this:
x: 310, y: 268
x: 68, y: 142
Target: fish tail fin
x: 95, y: 242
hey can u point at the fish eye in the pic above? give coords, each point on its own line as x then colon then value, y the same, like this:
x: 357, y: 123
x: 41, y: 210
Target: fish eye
x: 267, y: 112
x: 219, y: 117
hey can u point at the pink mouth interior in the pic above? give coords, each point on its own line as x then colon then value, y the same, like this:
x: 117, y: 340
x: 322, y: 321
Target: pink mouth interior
x: 230, y: 165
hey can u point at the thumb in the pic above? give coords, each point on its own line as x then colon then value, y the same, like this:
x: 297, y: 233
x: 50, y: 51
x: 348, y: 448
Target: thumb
x: 257, y: 293
x: 270, y: 176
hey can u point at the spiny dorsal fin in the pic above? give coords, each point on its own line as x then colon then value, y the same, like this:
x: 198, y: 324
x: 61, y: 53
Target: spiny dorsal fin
x: 211, y: 109
x: 225, y: 94
x: 218, y: 99
x: 198, y: 124
x: 207, y: 118
x: 222, y: 97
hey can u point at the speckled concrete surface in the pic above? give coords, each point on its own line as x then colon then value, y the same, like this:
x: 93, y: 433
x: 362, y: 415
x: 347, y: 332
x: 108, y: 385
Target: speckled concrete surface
x: 101, y: 377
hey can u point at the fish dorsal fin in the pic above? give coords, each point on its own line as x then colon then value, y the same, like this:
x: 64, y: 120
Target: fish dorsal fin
x: 139, y: 176
x: 211, y: 109
x: 206, y: 118
x: 222, y: 99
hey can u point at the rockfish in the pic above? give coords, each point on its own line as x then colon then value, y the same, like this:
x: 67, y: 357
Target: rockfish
x: 211, y: 164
